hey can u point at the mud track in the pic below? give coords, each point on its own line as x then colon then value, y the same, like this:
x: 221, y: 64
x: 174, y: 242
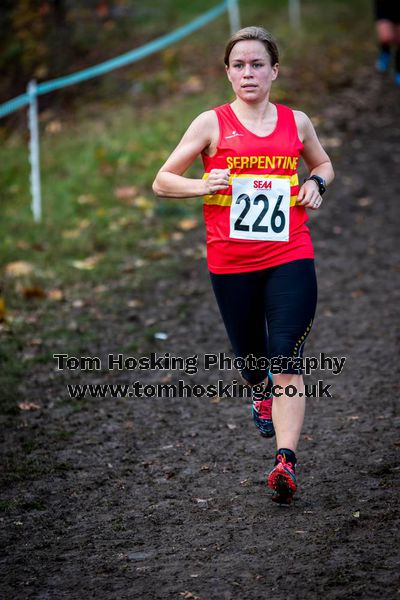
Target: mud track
x: 166, y: 499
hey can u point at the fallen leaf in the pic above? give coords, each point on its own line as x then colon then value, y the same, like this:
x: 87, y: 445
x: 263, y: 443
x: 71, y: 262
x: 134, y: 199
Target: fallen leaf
x: 100, y: 153
x: 158, y: 254
x: 22, y: 245
x: 356, y: 514
x: 106, y: 168
x: 28, y: 406
x: 144, y: 203
x: 139, y: 263
x: 78, y: 303
x: 124, y: 221
x: 19, y: 268
x: 71, y: 234
x: 192, y: 85
x: 87, y: 264
x: 55, y: 294
x: 149, y: 322
x: 3, y: 311
x: 33, y: 291
x: 54, y: 126
x: 84, y: 223
x: 188, y: 224
x: 100, y: 289
x: 86, y: 199
x: 364, y: 201
x: 134, y: 303
x: 124, y: 192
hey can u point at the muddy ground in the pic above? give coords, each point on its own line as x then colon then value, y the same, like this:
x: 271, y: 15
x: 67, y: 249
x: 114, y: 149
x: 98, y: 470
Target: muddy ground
x: 166, y: 498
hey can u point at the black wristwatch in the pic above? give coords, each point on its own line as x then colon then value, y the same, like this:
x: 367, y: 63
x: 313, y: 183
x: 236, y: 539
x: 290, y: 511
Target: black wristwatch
x: 320, y: 181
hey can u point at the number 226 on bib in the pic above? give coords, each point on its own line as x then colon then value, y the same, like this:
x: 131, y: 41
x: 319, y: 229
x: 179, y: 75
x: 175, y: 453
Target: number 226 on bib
x: 260, y: 209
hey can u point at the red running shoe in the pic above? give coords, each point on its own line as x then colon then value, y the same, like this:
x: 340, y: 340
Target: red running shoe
x: 262, y: 416
x: 283, y: 481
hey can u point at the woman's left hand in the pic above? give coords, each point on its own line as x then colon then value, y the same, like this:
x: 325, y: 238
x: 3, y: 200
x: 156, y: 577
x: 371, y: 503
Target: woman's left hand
x: 309, y: 195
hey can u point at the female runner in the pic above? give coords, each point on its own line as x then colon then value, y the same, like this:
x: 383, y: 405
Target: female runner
x: 259, y: 249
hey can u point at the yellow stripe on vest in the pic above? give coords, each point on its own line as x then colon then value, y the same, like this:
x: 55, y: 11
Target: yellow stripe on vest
x: 226, y: 200
x: 220, y: 200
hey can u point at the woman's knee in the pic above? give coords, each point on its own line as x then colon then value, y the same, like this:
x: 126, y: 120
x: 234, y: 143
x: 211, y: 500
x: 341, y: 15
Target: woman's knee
x: 288, y: 384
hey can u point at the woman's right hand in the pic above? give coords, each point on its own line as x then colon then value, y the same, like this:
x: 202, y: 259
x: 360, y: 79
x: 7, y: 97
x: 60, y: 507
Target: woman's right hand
x: 217, y: 180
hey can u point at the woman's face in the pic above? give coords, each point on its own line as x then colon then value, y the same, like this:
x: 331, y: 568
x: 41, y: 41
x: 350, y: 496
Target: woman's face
x: 250, y: 71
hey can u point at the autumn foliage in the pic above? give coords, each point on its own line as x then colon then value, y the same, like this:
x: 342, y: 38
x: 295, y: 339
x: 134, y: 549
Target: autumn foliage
x: 45, y: 39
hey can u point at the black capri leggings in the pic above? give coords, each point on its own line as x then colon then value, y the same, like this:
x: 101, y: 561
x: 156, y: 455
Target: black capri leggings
x: 268, y: 313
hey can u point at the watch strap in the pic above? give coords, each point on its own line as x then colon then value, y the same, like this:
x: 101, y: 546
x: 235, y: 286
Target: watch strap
x: 319, y: 181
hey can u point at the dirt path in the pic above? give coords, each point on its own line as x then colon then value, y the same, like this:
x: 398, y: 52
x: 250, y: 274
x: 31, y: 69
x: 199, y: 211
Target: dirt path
x: 165, y: 499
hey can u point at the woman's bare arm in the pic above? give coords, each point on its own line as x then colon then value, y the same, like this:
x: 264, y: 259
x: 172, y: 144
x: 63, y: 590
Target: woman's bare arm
x: 170, y: 181
x: 315, y: 157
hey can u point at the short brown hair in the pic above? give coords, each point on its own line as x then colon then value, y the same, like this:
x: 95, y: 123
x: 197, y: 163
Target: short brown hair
x: 253, y: 33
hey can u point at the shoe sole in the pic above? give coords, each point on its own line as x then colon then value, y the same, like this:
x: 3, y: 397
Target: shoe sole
x: 266, y: 435
x: 283, y: 487
x: 282, y: 493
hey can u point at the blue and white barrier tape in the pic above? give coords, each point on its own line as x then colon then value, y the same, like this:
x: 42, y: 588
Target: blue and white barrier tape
x: 120, y: 61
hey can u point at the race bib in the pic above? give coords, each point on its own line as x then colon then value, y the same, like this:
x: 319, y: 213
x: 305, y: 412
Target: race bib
x: 260, y: 209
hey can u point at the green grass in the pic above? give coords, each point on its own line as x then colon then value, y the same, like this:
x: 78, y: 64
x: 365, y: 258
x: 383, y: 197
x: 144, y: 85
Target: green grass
x: 122, y: 140
x: 7, y: 506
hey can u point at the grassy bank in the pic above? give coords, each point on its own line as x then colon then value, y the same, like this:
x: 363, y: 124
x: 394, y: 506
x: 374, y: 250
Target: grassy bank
x: 100, y: 219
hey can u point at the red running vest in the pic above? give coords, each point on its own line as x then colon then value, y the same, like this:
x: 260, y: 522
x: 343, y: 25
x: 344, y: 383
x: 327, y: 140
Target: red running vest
x: 246, y: 153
